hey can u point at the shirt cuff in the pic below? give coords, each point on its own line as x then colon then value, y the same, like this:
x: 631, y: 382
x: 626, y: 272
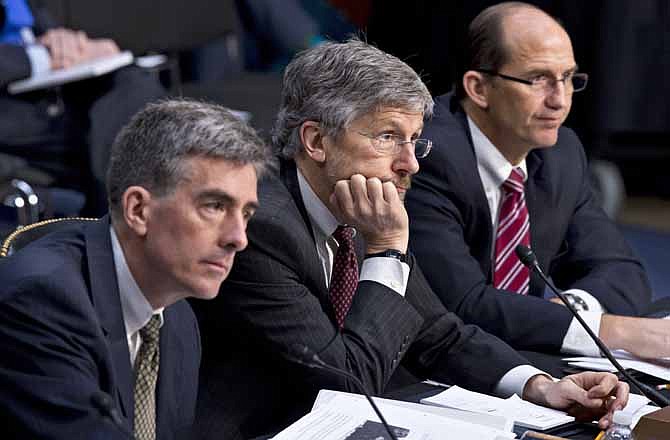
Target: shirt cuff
x: 390, y: 272
x: 514, y: 381
x: 577, y: 341
x: 591, y: 302
x: 39, y: 58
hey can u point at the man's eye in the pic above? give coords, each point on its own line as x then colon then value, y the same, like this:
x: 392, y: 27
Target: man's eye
x: 386, y: 137
x: 215, y: 206
x: 539, y: 79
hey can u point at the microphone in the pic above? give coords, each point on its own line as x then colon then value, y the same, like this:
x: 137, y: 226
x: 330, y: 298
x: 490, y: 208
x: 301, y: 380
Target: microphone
x: 308, y: 357
x: 104, y: 404
x: 528, y: 259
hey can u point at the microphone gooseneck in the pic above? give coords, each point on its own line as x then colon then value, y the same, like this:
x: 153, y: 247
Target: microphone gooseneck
x: 528, y: 259
x: 105, y: 405
x: 308, y: 357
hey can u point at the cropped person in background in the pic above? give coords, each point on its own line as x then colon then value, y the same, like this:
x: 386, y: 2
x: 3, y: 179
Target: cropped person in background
x: 81, y: 118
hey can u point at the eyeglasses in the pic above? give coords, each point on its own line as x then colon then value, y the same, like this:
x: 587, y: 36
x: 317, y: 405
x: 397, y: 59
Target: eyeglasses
x: 388, y: 143
x: 543, y: 84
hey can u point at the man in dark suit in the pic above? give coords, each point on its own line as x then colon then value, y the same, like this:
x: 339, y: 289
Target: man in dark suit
x: 79, y: 119
x: 504, y: 120
x: 327, y: 265
x: 96, y: 313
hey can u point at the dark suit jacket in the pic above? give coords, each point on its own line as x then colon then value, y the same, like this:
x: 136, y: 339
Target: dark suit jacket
x: 63, y: 339
x: 451, y: 235
x: 276, y: 297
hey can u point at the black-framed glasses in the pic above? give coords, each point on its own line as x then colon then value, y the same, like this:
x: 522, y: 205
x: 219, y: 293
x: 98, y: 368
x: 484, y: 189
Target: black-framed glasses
x: 389, y: 143
x: 543, y: 84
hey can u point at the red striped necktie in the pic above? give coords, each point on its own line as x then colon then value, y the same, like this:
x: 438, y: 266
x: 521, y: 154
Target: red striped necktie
x: 513, y: 229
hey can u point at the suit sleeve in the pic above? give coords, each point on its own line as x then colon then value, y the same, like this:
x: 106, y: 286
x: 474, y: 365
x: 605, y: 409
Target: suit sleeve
x: 273, y: 286
x: 597, y: 258
x: 14, y: 64
x: 48, y: 371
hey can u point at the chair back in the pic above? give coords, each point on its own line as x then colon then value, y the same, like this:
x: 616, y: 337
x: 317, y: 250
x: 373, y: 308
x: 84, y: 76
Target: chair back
x: 24, y: 235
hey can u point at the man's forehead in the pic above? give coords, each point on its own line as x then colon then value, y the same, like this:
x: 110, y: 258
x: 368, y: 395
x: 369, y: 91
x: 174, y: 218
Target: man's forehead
x: 533, y: 37
x: 391, y: 117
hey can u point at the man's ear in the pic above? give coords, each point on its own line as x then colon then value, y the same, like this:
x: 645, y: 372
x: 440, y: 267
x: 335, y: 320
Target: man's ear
x: 136, y: 205
x: 477, y: 88
x: 311, y: 136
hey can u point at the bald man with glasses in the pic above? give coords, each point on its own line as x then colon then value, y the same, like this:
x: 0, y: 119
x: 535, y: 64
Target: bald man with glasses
x: 504, y: 172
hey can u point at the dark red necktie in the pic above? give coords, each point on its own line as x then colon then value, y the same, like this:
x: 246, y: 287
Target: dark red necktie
x: 513, y: 229
x: 344, y: 277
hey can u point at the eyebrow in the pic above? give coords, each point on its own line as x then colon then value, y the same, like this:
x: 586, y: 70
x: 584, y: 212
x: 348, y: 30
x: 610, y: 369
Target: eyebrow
x: 395, y: 126
x: 224, y: 197
x: 543, y: 71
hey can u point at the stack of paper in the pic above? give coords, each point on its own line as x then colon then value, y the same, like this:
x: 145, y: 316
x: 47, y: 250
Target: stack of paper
x: 654, y: 367
x: 344, y: 416
x: 521, y: 412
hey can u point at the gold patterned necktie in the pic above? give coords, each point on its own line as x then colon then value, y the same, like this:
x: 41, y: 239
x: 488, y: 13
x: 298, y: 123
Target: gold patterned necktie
x: 146, y: 376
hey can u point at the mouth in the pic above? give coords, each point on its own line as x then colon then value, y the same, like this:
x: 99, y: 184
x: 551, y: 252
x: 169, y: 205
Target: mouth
x: 218, y: 265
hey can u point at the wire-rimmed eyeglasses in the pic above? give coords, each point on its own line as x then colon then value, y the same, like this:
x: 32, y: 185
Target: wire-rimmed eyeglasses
x: 389, y: 143
x: 573, y: 81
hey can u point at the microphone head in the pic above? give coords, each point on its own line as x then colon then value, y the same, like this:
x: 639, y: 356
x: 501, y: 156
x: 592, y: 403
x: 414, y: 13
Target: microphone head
x: 304, y: 355
x: 526, y: 255
x: 102, y: 401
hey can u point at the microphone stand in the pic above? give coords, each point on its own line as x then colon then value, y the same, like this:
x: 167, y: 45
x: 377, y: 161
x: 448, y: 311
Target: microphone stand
x: 306, y: 356
x: 529, y: 260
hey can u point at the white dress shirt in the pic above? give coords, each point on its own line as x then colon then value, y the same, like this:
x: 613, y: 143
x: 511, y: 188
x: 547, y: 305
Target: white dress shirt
x: 390, y: 272
x: 136, y: 309
x: 494, y: 169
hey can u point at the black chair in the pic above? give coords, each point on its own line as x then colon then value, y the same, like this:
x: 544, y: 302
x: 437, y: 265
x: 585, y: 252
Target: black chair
x: 24, y: 235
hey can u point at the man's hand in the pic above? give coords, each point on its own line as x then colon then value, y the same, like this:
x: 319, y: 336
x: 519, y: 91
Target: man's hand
x: 642, y: 337
x: 68, y: 48
x: 374, y: 209
x: 586, y: 396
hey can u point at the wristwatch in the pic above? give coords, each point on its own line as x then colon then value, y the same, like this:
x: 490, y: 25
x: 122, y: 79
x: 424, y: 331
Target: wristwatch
x: 577, y: 302
x: 389, y: 253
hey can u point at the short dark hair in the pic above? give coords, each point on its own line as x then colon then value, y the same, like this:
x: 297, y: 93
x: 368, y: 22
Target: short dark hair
x: 485, y: 46
x: 151, y: 149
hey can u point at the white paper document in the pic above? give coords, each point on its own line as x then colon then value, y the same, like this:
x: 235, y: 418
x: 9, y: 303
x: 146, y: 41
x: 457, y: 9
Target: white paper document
x: 523, y: 413
x: 81, y: 71
x: 341, y: 416
x: 654, y: 367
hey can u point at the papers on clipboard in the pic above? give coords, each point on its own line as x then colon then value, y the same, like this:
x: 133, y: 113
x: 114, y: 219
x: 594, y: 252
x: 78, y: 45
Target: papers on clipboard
x: 81, y: 71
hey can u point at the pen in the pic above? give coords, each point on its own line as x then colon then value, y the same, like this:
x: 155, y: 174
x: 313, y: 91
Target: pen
x: 663, y: 386
x: 601, y: 435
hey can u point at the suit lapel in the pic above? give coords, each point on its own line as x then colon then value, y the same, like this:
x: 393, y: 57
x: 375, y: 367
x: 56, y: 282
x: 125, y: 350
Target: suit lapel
x: 538, y: 193
x: 482, y: 232
x: 169, y: 374
x: 106, y: 301
x: 289, y: 177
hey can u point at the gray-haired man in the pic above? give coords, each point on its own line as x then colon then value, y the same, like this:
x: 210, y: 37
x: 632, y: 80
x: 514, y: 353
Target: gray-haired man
x: 328, y: 268
x: 94, y: 322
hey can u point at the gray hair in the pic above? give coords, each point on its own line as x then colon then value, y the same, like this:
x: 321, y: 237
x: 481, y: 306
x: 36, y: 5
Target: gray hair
x: 151, y: 149
x: 485, y: 46
x: 336, y: 83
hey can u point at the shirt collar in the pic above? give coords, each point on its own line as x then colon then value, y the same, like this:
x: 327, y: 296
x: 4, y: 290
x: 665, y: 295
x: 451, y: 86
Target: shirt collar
x: 136, y: 309
x: 493, y: 167
x: 319, y: 214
